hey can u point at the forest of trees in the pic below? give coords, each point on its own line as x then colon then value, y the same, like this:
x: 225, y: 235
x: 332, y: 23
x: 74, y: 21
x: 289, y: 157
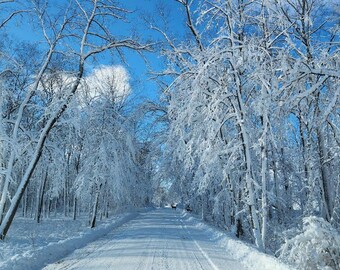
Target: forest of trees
x: 66, y: 141
x: 252, y: 113
x: 245, y: 130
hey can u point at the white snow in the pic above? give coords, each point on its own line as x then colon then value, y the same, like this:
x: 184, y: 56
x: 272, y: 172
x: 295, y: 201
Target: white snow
x: 249, y: 255
x: 158, y: 239
x: 31, y: 245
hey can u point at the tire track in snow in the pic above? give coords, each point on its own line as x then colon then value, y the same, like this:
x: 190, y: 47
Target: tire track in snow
x: 142, y: 256
x: 165, y: 256
x: 157, y: 240
x: 205, y: 255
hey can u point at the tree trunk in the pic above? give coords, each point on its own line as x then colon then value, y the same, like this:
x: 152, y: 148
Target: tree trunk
x: 40, y: 198
x: 249, y: 179
x: 327, y: 197
x: 75, y: 208
x: 264, y: 179
x: 94, y: 211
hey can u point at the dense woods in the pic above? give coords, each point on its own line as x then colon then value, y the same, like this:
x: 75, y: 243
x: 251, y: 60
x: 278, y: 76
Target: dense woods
x: 245, y: 132
x: 66, y: 143
x: 252, y: 143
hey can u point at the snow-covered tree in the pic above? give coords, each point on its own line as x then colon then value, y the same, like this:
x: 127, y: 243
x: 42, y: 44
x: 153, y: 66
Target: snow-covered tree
x: 253, y: 135
x: 75, y: 36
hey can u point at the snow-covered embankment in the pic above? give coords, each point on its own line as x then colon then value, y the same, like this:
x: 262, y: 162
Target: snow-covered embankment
x: 42, y: 253
x: 247, y: 254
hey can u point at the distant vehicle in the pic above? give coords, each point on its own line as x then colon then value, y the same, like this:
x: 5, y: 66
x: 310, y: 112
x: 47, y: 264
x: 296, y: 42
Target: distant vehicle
x: 173, y: 206
x: 188, y: 208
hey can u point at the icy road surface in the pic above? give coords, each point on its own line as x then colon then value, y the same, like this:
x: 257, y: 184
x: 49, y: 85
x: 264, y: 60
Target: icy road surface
x: 160, y: 239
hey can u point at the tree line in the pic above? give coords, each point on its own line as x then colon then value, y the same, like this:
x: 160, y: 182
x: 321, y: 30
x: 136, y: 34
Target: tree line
x: 245, y: 132
x: 252, y: 115
x: 66, y: 140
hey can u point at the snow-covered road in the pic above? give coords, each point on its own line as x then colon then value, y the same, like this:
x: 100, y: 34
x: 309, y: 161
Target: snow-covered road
x: 160, y: 239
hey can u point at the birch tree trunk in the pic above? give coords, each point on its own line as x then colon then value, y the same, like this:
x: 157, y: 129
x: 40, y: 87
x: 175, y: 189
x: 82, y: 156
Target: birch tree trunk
x: 264, y: 178
x: 249, y: 179
x: 326, y: 190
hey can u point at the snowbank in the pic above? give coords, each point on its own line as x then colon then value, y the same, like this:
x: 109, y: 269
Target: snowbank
x: 44, y: 253
x: 316, y: 246
x: 243, y: 252
x: 55, y: 239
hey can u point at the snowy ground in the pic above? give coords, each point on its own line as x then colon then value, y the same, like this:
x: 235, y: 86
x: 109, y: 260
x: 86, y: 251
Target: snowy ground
x: 31, y: 246
x: 159, y: 239
x: 240, y: 251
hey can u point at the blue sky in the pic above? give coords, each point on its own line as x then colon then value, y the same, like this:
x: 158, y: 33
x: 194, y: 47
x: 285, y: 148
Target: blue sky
x: 22, y: 30
x: 145, y: 9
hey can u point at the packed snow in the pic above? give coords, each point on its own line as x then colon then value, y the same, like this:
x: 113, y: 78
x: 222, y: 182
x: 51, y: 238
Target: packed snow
x: 158, y: 239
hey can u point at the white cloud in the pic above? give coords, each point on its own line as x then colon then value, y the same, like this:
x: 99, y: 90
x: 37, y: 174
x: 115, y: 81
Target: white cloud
x: 110, y: 82
x: 105, y: 82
